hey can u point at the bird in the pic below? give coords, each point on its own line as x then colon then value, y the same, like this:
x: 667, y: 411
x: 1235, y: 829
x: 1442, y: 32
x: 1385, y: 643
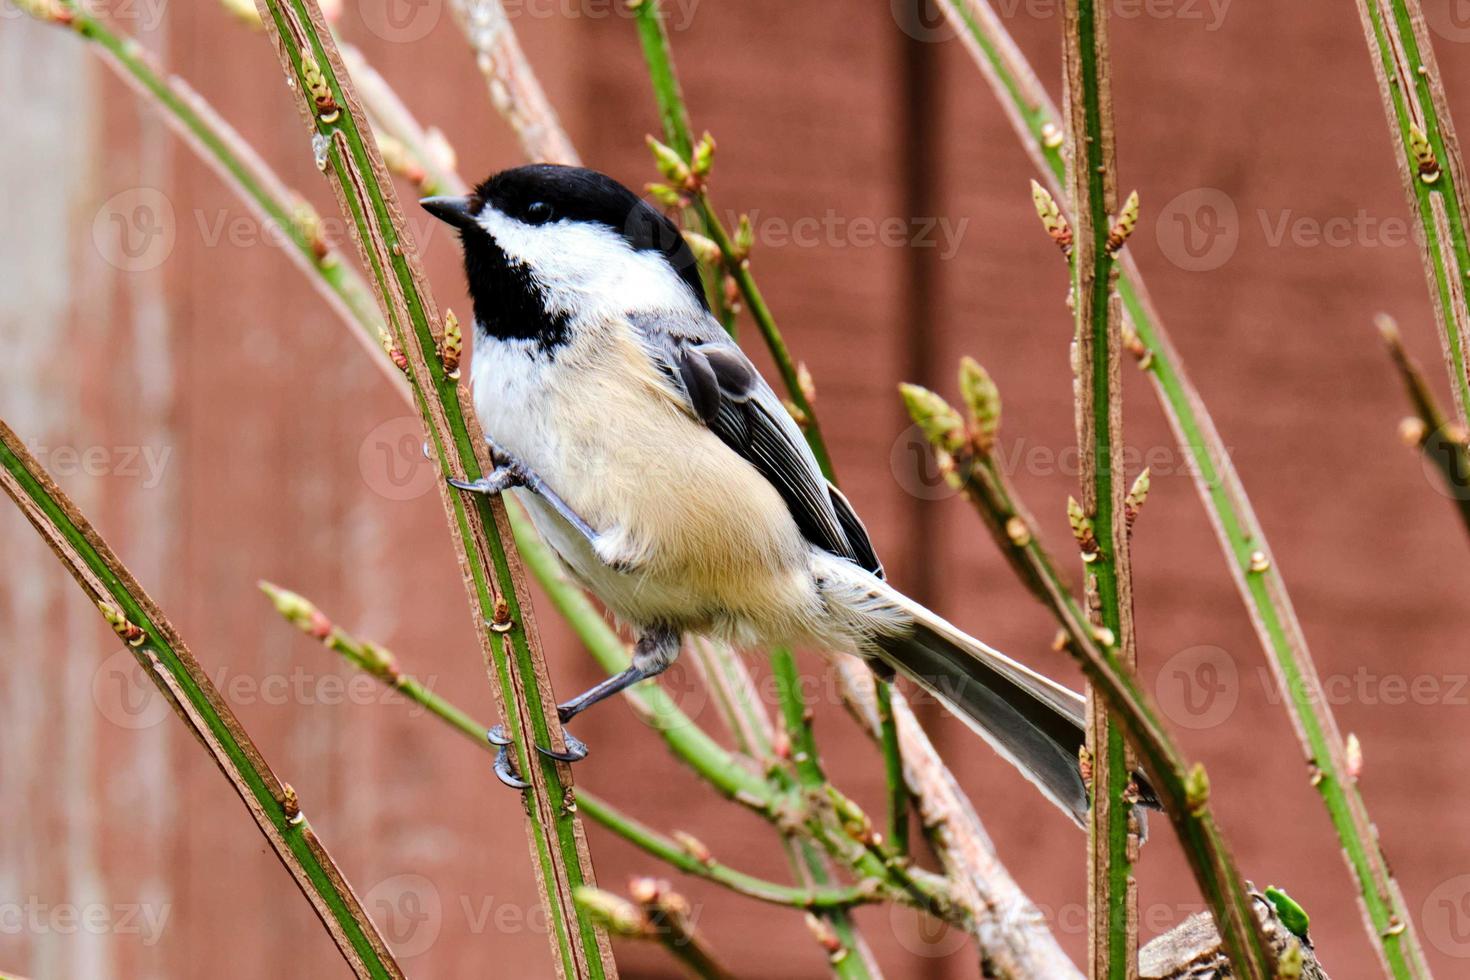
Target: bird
x: 670, y: 479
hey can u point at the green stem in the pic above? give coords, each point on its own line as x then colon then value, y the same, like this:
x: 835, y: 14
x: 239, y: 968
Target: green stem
x: 383, y: 666
x: 1442, y: 442
x: 1242, y: 538
x: 674, y: 117
x: 1113, y: 931
x: 658, y: 56
x: 168, y: 662
x: 661, y: 917
x: 344, y: 148
x: 217, y: 143
x: 1413, y: 97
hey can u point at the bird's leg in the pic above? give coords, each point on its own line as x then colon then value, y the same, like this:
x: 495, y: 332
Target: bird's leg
x: 510, y: 473
x: 652, y: 655
x: 504, y: 771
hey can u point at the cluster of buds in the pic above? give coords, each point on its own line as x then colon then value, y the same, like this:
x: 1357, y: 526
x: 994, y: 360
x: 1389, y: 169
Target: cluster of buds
x: 49, y: 11
x: 309, y: 226
x: 400, y: 160
x: 855, y: 822
x: 706, y: 252
x: 299, y: 611
x: 744, y: 239
x: 291, y: 804
x: 391, y: 348
x: 982, y: 400
x: 694, y: 847
x: 321, y: 93
x: 1051, y: 217
x: 940, y: 423
x: 1353, y: 749
x: 451, y: 347
x: 1123, y: 227
x: 1423, y: 154
x: 501, y: 622
x: 826, y: 937
x: 1196, y: 789
x: 1082, y: 530
x: 1134, y: 345
x: 129, y: 632
x: 685, y: 177
x: 1137, y: 494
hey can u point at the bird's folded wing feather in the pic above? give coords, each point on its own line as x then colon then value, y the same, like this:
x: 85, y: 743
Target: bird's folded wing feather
x: 719, y: 386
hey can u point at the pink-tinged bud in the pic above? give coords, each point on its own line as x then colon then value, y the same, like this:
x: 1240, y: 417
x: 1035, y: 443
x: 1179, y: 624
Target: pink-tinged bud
x: 452, y: 346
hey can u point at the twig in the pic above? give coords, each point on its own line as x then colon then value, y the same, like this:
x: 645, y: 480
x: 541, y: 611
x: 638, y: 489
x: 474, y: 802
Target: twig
x: 1183, y: 791
x: 1112, y: 834
x: 687, y: 165
x: 1192, y: 949
x: 1011, y: 932
x: 1431, y: 166
x: 184, y: 684
x: 661, y: 916
x: 216, y: 143
x: 658, y: 57
x: 684, y: 853
x: 424, y: 156
x: 1444, y: 443
x: 733, y: 691
x: 1242, y: 538
x: 493, y: 576
x: 514, y: 88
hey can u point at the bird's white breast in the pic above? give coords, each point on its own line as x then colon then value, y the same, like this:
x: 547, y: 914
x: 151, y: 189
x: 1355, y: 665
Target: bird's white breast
x: 710, y: 543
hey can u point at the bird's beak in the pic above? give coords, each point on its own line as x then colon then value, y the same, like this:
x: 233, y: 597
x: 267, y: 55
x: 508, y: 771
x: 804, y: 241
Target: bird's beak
x: 456, y: 211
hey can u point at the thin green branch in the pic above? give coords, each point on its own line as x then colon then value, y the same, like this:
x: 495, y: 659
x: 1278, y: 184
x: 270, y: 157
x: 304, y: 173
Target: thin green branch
x: 1183, y: 791
x: 1242, y: 538
x: 733, y: 690
x: 1112, y: 835
x: 1431, y: 166
x: 184, y: 684
x: 1443, y: 443
x: 685, y: 854
x: 346, y: 152
x: 693, y: 159
x: 658, y: 56
x: 227, y: 153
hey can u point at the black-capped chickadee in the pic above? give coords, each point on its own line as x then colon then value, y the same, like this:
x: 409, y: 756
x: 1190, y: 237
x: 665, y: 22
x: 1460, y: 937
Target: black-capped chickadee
x: 670, y: 479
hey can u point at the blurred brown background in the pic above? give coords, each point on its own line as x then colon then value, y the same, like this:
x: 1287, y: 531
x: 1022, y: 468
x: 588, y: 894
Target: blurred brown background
x: 220, y: 426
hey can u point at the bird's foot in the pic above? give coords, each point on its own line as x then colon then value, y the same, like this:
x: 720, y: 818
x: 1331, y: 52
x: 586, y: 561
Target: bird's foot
x: 576, y: 749
x: 504, y: 770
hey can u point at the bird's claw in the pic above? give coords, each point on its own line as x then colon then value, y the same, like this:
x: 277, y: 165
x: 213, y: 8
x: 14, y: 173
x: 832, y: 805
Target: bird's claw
x: 504, y: 770
x: 576, y: 749
x: 498, y: 480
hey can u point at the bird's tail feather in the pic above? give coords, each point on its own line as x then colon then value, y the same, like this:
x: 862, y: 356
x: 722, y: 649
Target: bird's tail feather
x: 1035, y: 723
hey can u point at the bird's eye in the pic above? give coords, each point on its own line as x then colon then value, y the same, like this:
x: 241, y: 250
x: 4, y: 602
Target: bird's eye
x: 538, y: 213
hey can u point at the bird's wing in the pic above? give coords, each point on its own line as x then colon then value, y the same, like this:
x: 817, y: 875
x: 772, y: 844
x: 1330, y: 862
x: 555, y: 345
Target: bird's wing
x: 717, y: 384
